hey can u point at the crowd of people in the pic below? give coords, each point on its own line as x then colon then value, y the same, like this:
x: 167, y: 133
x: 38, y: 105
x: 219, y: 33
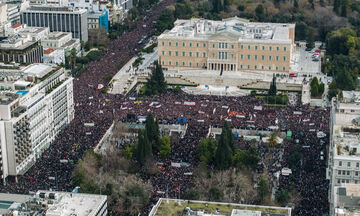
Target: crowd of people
x: 54, y: 168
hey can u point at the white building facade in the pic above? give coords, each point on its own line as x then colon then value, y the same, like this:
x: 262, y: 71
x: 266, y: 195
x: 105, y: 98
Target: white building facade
x: 32, y: 115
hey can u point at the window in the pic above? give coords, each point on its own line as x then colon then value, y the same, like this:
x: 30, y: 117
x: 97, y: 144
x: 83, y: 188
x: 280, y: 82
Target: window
x: 269, y: 67
x: 262, y: 57
x: 183, y: 63
x: 284, y: 68
x: 277, y: 58
x: 249, y: 47
x: 349, y: 164
x: 284, y: 58
x: 204, y: 44
x: 162, y: 62
x: 232, y: 46
x: 232, y: 56
x: 176, y: 44
x: 183, y: 53
x: 162, y: 53
x: 255, y: 57
x: 263, y: 47
x: 183, y: 44
x: 190, y: 64
x: 169, y: 62
x: 241, y: 56
x: 356, y: 173
x: 270, y: 48
x: 169, y: 53
x: 269, y: 58
x: 197, y: 54
x: 225, y: 55
x: 226, y: 45
x: 197, y: 44
x: 338, y: 181
x: 242, y: 47
x: 162, y: 43
x: 277, y: 48
x: 356, y: 181
x: 262, y: 67
x: 177, y: 63
x: 190, y: 44
x: 343, y: 172
x: 204, y: 55
x: 284, y: 48
x: 339, y: 172
x: 277, y: 68
x: 256, y: 47
x: 176, y: 53
x: 342, y: 180
x: 190, y: 54
x: 197, y: 64
x: 348, y: 172
x: 219, y: 55
x: 219, y: 45
x: 248, y: 56
x: 347, y: 181
x: 213, y: 55
x: 357, y: 164
x: 203, y: 64
x: 248, y: 66
x: 169, y: 43
x: 213, y: 45
x: 241, y: 66
x: 255, y: 67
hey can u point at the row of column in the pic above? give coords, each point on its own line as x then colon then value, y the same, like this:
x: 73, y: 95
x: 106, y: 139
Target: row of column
x: 222, y: 66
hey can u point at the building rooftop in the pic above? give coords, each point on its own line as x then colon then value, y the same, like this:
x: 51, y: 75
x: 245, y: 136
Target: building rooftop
x: 7, y: 97
x: 48, y: 51
x: 347, y: 199
x: 38, y: 70
x: 57, y: 35
x: 174, y: 207
x: 234, y: 28
x: 54, y: 8
x: 52, y: 203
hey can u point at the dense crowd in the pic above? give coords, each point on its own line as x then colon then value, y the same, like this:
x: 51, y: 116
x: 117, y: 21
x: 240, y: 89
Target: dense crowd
x: 200, y: 112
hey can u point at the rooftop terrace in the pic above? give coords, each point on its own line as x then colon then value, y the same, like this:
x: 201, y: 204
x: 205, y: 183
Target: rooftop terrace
x: 173, y: 207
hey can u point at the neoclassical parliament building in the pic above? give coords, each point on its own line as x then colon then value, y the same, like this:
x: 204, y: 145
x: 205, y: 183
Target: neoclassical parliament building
x: 233, y: 44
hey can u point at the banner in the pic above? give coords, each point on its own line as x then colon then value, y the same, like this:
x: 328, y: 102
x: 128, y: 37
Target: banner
x: 189, y: 103
x: 175, y: 164
x: 297, y: 113
x: 258, y: 108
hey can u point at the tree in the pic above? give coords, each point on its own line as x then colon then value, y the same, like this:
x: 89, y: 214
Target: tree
x: 312, y: 4
x: 260, y: 12
x: 215, y: 194
x: 143, y: 150
x: 223, y: 156
x: 301, y: 30
x: 217, y: 6
x: 272, y: 90
x: 263, y: 188
x: 165, y: 148
x: 207, y: 151
x: 310, y: 40
x: 246, y: 158
x: 191, y: 194
x: 344, y: 7
x: 282, y: 197
x: 336, y: 7
x: 73, y: 57
x: 156, y: 83
x: 296, y: 4
x: 152, y: 131
x: 272, y: 140
x: 82, y: 44
x: 341, y: 41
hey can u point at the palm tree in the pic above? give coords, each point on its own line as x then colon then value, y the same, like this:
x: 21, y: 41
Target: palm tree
x: 73, y: 57
x: 272, y: 140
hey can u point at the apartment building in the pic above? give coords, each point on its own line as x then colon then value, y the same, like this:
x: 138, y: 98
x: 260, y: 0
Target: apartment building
x: 58, y: 19
x: 344, y: 150
x: 36, y: 103
x: 232, y: 44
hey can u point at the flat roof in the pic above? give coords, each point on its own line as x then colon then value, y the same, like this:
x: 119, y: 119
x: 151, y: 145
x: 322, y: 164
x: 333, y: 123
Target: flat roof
x: 38, y: 70
x: 171, y: 207
x: 75, y: 203
x: 9, y: 200
x: 234, y: 28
